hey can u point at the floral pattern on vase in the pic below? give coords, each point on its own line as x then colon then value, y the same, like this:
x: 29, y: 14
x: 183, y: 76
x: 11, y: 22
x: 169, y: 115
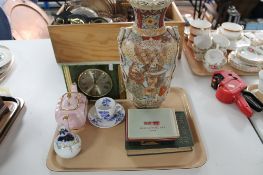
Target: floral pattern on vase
x: 148, y: 51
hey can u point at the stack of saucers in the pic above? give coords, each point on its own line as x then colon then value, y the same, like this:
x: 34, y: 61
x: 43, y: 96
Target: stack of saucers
x: 247, y: 58
x: 6, y: 61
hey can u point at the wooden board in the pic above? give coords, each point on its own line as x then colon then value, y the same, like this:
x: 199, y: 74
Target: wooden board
x: 104, y: 149
x: 95, y: 43
x: 198, y: 68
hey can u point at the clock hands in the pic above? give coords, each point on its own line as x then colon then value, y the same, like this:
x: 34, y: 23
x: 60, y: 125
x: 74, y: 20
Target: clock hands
x: 95, y: 82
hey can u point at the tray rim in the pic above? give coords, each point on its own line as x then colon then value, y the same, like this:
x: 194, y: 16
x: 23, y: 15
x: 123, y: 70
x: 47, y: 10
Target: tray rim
x: 188, y: 111
x: 20, y: 105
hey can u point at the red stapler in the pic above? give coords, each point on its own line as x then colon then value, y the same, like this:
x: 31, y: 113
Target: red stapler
x: 229, y: 88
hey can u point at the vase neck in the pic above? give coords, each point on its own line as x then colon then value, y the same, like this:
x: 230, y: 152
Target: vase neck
x: 149, y: 22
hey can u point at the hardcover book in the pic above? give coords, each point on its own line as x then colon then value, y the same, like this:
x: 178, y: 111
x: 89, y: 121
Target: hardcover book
x: 182, y: 143
x: 151, y: 124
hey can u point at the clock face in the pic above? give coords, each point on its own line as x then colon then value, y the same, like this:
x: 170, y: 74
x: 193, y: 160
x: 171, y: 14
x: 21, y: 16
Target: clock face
x: 94, y: 82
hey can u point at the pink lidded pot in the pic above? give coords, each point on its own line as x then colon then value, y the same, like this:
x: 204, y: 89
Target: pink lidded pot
x: 71, y: 109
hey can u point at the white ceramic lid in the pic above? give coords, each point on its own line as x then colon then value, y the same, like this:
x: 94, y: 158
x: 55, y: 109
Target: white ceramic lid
x: 233, y: 27
x: 221, y: 40
x: 5, y: 56
x: 250, y: 54
x: 200, y: 24
x: 214, y: 56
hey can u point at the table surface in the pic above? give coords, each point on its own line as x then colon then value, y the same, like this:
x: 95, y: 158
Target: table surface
x: 232, y: 145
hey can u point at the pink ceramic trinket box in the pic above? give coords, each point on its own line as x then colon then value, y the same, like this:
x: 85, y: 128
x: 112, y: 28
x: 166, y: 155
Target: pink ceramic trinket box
x: 71, y: 109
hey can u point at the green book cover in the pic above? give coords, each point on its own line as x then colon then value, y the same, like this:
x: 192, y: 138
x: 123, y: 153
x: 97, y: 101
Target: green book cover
x: 182, y: 143
x: 152, y: 124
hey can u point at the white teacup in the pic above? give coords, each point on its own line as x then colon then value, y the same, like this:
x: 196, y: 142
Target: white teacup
x: 220, y: 42
x: 214, y: 60
x: 200, y: 27
x: 203, y: 42
x: 105, y: 108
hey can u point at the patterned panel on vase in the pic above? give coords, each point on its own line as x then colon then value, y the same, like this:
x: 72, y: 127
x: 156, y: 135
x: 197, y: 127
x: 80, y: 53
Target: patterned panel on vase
x: 148, y: 63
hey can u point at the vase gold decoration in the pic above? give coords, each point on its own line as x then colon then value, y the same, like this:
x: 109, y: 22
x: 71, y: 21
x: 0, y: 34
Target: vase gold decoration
x: 148, y: 52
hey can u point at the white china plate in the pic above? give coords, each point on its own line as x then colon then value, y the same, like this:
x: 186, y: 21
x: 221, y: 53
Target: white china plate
x: 256, y: 37
x: 235, y: 62
x: 6, y: 69
x: 5, y: 56
x: 250, y: 54
x: 244, y: 41
x: 102, y: 123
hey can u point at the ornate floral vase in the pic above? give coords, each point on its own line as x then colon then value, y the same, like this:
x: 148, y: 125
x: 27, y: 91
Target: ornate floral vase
x: 148, y: 51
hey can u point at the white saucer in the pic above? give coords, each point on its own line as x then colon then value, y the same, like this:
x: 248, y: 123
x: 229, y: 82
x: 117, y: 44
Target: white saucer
x: 244, y: 41
x: 235, y: 62
x: 5, y: 56
x: 103, y: 123
x: 234, y: 44
x: 4, y: 71
x: 250, y: 55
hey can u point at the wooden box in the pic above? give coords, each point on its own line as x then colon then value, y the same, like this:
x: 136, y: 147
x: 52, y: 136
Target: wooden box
x: 96, y: 43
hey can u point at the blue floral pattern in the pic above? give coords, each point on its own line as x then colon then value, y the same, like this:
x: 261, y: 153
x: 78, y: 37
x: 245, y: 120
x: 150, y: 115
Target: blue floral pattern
x: 117, y: 118
x: 106, y: 102
x: 105, y: 114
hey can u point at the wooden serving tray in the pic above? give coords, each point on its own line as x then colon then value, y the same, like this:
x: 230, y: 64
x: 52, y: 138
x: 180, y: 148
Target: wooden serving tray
x: 198, y: 68
x: 104, y: 149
